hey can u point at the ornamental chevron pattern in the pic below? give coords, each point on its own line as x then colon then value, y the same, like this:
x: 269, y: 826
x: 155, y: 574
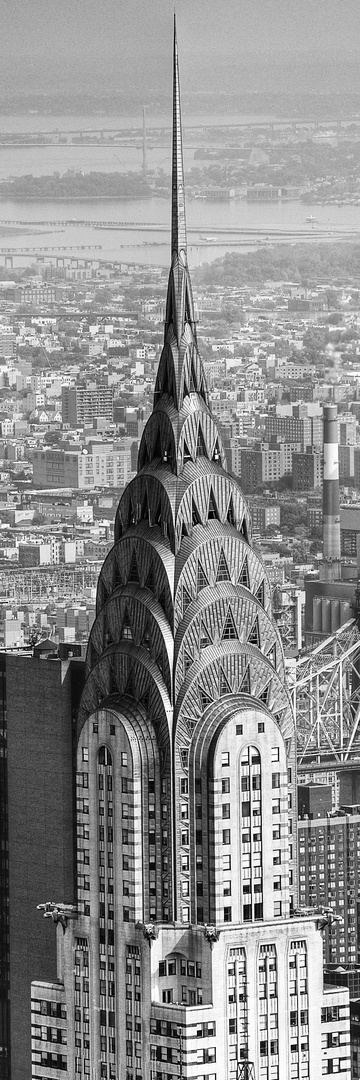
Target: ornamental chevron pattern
x: 183, y: 631
x: 185, y: 955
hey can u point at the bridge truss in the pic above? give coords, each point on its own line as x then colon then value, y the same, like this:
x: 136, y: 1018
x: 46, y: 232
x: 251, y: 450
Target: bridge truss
x: 326, y: 701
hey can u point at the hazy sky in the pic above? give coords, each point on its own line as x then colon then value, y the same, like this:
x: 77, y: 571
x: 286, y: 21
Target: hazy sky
x: 67, y: 37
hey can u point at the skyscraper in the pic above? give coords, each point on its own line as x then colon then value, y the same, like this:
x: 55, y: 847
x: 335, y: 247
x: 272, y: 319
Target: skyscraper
x: 185, y: 957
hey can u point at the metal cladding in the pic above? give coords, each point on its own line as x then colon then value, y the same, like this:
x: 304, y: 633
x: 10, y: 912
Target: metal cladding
x: 331, y: 497
x: 184, y: 630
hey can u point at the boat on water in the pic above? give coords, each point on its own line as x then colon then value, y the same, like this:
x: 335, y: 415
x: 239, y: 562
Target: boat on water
x: 209, y: 239
x: 311, y: 219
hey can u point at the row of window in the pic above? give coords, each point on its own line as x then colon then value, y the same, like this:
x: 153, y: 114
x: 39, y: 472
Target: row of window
x: 182, y: 967
x: 49, y: 1008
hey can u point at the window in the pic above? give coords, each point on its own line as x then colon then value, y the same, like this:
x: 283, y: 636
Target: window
x: 172, y: 967
x: 239, y: 729
x: 167, y: 996
x: 226, y: 810
x: 232, y: 1025
x: 184, y: 786
x: 85, y: 753
x: 225, y: 786
x: 261, y: 728
x: 227, y: 888
x: 225, y: 759
x: 226, y: 862
x: 227, y: 914
x: 226, y: 836
x: 275, y: 753
x: 276, y: 780
x: 124, y: 759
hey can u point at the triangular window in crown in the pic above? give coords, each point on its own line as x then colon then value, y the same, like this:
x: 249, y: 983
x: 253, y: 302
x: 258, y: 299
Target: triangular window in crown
x: 223, y: 569
x: 229, y: 630
x: 168, y: 387
x: 205, y: 638
x: 212, y: 510
x: 157, y: 514
x: 150, y: 582
x: 193, y: 374
x: 230, y: 514
x: 245, y: 684
x: 243, y: 530
x: 244, y: 578
x: 146, y: 638
x: 162, y: 602
x: 160, y: 664
x: 224, y: 685
x: 271, y: 655
x: 126, y: 631
x: 144, y: 516
x: 186, y: 599
x: 132, y: 513
x: 105, y: 591
x: 186, y: 390
x: 187, y: 455
x: 254, y: 636
x: 265, y: 694
x: 260, y: 593
x: 117, y: 580
x: 196, y: 519
x: 205, y: 698
x: 188, y: 661
x: 157, y: 447
x: 133, y: 572
x: 184, y: 530
x: 202, y: 581
x: 201, y: 450
x: 216, y: 451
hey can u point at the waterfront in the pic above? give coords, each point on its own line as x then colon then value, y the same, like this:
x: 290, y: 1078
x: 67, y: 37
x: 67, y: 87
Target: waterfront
x: 143, y: 228
x: 140, y: 231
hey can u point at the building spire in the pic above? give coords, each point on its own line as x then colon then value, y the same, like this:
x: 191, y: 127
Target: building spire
x: 178, y: 223
x: 180, y: 369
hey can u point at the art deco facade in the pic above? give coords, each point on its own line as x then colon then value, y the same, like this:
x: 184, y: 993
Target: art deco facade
x: 185, y: 957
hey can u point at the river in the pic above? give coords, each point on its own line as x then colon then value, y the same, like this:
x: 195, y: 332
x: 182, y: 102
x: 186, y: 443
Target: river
x: 213, y: 227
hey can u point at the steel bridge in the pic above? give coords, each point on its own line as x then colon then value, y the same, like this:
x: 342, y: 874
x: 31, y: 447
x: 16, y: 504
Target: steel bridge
x: 326, y: 700
x: 48, y: 583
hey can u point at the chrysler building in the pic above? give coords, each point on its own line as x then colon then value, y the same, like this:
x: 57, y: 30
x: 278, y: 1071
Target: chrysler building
x: 186, y: 955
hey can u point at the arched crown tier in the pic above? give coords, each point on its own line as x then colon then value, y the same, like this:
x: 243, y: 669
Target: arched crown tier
x: 183, y: 612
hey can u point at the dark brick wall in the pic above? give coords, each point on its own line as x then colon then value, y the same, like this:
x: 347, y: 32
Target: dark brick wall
x: 40, y: 809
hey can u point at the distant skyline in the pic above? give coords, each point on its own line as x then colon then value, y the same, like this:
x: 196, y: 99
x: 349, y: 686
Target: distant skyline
x: 69, y: 44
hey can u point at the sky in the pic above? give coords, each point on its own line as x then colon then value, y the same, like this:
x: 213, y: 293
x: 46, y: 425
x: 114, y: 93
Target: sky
x: 222, y: 43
